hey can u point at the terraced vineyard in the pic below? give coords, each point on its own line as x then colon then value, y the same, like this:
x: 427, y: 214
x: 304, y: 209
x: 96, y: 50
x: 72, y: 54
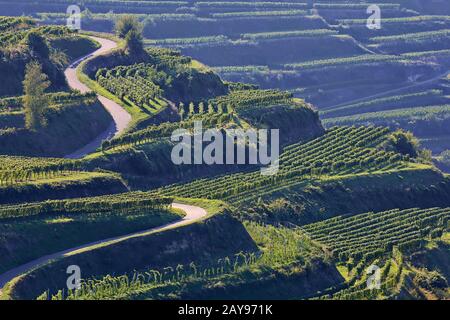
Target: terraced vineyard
x: 21, y: 169
x: 254, y: 98
x: 407, y: 100
x: 121, y: 203
x: 380, y: 240
x: 133, y: 84
x: 352, y: 194
x: 277, y: 246
x: 413, y: 41
x: 341, y: 151
x: 337, y: 51
x: 372, y: 233
x: 29, y: 225
x: 440, y: 112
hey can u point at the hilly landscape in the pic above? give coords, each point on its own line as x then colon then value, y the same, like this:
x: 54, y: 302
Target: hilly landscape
x: 353, y: 202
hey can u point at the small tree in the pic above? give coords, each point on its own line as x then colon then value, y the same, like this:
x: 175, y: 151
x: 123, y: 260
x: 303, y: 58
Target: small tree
x: 201, y: 108
x: 129, y: 28
x: 181, y: 113
x: 191, y: 109
x: 125, y: 24
x: 35, y: 100
x: 403, y: 142
x: 181, y: 107
x: 134, y: 43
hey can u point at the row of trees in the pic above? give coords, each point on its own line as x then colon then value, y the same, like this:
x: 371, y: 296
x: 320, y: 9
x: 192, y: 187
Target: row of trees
x: 189, y: 110
x: 254, y: 98
x: 128, y: 202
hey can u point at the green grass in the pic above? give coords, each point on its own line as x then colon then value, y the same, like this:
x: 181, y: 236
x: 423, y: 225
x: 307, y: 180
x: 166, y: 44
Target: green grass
x: 213, y: 207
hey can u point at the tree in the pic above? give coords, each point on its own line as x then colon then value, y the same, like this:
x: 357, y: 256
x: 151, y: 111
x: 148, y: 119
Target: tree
x: 201, y: 108
x: 129, y: 28
x: 134, y: 43
x: 125, y: 24
x: 35, y: 100
x: 191, y: 109
x: 403, y: 142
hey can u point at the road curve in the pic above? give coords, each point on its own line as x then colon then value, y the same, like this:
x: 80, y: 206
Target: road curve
x: 193, y: 214
x: 120, y: 116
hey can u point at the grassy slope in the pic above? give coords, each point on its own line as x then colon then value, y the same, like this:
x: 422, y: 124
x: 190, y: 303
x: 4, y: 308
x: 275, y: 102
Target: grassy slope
x: 67, y: 130
x: 75, y: 47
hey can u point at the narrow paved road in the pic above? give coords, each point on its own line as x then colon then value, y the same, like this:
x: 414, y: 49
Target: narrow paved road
x: 121, y: 120
x: 193, y: 214
x: 121, y: 117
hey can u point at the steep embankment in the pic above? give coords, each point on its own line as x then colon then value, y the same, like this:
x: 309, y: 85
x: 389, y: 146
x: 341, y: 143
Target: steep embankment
x: 67, y: 128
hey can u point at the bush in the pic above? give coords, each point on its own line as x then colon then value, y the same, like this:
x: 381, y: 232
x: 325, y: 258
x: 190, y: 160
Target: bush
x: 403, y: 142
x: 127, y: 23
x: 431, y: 280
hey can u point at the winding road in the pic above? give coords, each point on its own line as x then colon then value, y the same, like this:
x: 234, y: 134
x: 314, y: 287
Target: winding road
x: 193, y: 214
x: 121, y: 118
